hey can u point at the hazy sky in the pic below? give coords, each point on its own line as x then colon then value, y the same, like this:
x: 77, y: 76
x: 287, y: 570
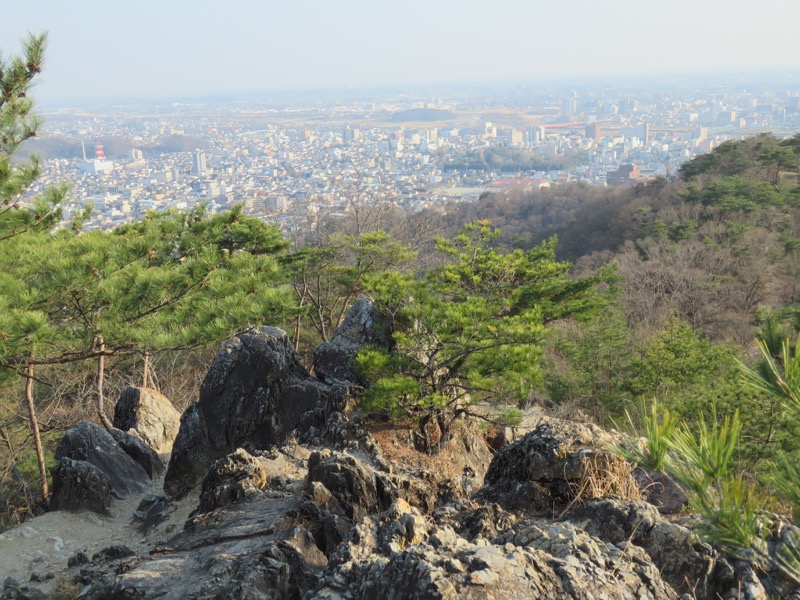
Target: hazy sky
x: 159, y: 48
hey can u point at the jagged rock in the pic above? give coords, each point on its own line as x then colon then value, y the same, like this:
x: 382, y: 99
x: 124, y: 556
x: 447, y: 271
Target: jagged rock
x: 252, y: 549
x: 13, y: 590
x: 234, y: 477
x: 79, y: 485
x: 150, y: 414
x: 254, y: 395
x: 115, y: 552
x: 363, y: 326
x: 140, y: 452
x: 324, y: 517
x: 77, y: 559
x: 152, y: 511
x: 357, y: 487
x: 690, y: 565
x: 107, y: 469
x: 783, y: 538
x: 472, y: 521
x: 189, y: 460
x: 543, y: 470
x: 400, y: 555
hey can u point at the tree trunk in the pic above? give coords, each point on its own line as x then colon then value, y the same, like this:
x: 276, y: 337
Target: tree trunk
x: 37, y: 438
x: 146, y: 370
x: 101, y: 373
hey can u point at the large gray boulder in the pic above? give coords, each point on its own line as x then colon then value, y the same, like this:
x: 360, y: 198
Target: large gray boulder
x: 363, y: 326
x: 139, y: 451
x: 79, y: 485
x: 254, y: 395
x: 150, y: 415
x: 91, y: 467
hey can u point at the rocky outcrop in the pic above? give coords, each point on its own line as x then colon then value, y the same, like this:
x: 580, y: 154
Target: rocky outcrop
x: 400, y: 554
x: 91, y: 468
x: 254, y: 395
x: 140, y: 452
x: 230, y: 479
x: 299, y: 501
x: 356, y: 487
x: 149, y: 415
x: 547, y: 468
x: 252, y: 549
x: 363, y: 326
x: 680, y: 556
x: 661, y: 490
x: 79, y: 485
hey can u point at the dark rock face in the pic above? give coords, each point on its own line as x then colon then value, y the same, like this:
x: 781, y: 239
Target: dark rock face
x: 140, y: 452
x: 14, y: 590
x: 189, y: 458
x: 542, y: 469
x: 363, y: 326
x: 152, y: 511
x: 254, y: 395
x: 358, y: 489
x: 93, y: 466
x: 151, y: 416
x: 79, y: 485
x: 230, y: 479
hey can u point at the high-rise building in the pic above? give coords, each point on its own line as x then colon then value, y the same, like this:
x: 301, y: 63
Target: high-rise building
x: 593, y: 131
x: 350, y: 133
x: 626, y: 174
x: 200, y: 167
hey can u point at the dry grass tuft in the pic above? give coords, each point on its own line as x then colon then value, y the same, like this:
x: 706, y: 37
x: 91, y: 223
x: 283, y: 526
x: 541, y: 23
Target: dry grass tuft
x: 602, y: 475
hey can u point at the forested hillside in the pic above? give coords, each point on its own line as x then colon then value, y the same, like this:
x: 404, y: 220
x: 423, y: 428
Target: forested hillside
x: 674, y: 288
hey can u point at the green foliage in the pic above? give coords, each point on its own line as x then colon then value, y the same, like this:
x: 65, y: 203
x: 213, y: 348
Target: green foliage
x: 736, y: 193
x: 732, y: 514
x: 674, y: 358
x: 657, y: 427
x: 470, y: 330
x: 777, y: 378
x: 587, y: 364
x: 702, y: 455
x: 330, y: 275
x: 738, y: 157
x: 17, y: 124
x: 175, y: 279
x: 785, y: 478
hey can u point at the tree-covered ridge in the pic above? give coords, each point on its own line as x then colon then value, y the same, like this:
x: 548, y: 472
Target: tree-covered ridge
x: 673, y: 281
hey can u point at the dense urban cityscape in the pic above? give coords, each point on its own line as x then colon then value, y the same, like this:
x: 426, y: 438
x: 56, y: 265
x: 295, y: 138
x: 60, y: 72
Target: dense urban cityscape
x: 286, y: 162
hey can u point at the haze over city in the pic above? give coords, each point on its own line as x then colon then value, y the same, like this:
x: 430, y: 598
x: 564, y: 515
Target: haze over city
x: 180, y: 48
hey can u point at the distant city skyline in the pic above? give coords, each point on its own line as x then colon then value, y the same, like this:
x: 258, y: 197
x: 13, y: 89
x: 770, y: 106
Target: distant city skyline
x: 180, y: 48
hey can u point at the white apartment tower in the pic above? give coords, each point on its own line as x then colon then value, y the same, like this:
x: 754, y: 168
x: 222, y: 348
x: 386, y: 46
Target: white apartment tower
x: 200, y: 167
